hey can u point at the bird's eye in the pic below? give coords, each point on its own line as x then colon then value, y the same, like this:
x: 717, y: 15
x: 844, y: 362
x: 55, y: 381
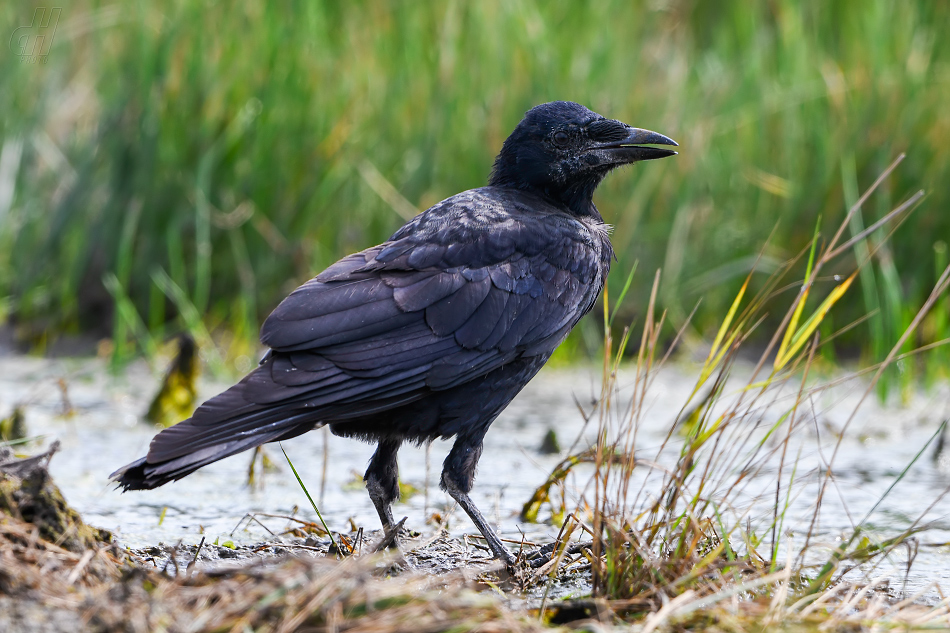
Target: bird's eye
x: 561, y: 138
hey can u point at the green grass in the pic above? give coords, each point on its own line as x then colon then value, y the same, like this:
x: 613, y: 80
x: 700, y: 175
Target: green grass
x: 697, y: 538
x: 231, y: 150
x: 313, y: 503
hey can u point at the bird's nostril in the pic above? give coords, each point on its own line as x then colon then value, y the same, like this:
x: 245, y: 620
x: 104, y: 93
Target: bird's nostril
x: 608, y: 131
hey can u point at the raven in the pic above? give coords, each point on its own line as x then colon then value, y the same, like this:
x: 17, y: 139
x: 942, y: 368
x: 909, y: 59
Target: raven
x: 432, y: 333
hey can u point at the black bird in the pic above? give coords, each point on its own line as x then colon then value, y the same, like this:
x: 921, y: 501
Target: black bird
x: 432, y: 333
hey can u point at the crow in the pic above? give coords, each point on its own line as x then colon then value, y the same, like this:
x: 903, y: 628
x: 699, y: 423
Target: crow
x: 432, y: 333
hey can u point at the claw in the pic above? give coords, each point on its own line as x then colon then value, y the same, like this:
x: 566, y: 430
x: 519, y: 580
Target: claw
x: 390, y: 535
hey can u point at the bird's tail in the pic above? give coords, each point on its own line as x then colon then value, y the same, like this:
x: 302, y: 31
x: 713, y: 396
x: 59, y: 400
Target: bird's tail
x: 132, y: 476
x: 223, y: 426
x: 145, y: 475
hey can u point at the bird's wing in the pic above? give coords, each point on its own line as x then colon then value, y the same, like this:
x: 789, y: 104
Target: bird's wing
x: 390, y: 324
x: 414, y: 308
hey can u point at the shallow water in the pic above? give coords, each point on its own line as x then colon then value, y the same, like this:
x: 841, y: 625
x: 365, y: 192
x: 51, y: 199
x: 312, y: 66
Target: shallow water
x: 96, y: 416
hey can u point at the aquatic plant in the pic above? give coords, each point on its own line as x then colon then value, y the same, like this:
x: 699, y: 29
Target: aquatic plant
x: 695, y: 534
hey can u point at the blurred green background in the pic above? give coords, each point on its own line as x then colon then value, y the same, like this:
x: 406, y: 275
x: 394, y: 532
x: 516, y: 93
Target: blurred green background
x: 185, y: 164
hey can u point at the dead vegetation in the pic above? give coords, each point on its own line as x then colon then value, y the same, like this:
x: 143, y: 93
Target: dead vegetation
x: 58, y: 574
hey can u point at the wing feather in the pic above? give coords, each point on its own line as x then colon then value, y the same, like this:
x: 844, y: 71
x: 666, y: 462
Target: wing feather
x: 422, y: 294
x: 483, y: 321
x: 449, y: 314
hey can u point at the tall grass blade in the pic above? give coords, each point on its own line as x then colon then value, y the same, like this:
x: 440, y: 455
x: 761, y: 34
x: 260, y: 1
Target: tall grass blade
x: 802, y: 298
x: 129, y: 315
x: 192, y: 318
x: 717, y: 350
x: 309, y: 498
x: 840, y: 552
x: 808, y: 328
x: 623, y: 293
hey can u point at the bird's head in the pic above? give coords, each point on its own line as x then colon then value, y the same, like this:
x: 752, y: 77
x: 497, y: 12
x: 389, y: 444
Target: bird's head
x: 562, y: 150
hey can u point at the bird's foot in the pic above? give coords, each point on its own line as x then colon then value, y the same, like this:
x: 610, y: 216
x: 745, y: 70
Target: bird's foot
x: 545, y: 554
x: 391, y: 534
x: 502, y: 553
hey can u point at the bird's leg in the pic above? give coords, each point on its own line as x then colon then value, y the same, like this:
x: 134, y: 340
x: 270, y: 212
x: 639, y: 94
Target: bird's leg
x: 382, y: 480
x: 458, y: 475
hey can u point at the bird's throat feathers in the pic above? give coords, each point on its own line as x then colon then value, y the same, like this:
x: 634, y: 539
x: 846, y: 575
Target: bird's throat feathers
x: 551, y: 181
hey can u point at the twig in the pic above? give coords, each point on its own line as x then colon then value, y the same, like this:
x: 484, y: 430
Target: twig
x: 81, y: 565
x: 389, y: 537
x: 194, y: 560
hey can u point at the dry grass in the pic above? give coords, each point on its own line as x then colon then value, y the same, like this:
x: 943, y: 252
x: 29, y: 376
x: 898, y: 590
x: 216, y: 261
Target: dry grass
x: 103, y: 590
x: 680, y: 542
x: 44, y: 586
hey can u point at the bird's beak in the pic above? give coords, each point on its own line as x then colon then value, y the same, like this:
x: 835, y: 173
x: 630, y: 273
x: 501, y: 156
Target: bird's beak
x: 635, y: 147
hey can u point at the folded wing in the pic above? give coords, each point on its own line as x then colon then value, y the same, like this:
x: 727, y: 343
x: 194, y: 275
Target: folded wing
x: 386, y: 327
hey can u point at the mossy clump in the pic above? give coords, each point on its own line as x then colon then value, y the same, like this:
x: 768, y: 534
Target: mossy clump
x: 13, y: 427
x: 176, y: 398
x: 27, y: 493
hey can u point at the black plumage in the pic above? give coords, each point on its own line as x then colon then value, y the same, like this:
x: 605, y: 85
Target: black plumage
x: 432, y: 333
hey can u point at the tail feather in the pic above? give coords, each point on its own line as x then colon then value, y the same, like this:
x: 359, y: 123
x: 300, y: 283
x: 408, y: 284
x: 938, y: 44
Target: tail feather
x: 260, y: 409
x: 225, y: 425
x: 143, y: 475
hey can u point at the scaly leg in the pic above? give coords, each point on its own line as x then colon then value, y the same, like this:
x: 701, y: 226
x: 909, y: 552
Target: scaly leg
x: 458, y: 475
x: 382, y: 480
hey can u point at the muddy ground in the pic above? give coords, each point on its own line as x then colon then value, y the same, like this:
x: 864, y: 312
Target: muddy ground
x: 59, y: 574
x: 182, y: 559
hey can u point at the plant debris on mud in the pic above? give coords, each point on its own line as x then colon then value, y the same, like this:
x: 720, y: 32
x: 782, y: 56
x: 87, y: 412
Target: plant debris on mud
x: 59, y: 574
